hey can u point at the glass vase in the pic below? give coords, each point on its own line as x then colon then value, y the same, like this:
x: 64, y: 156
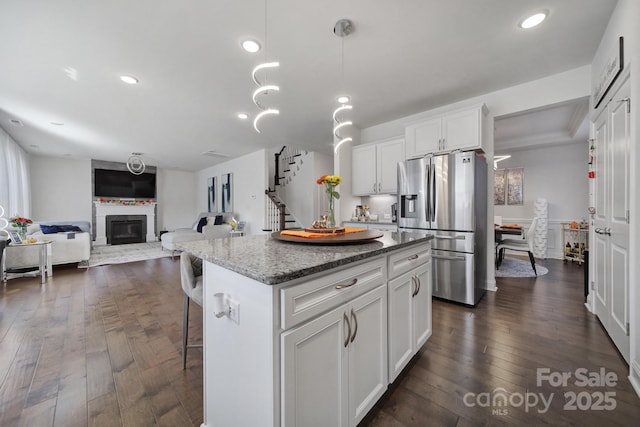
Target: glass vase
x: 22, y: 231
x: 331, y: 217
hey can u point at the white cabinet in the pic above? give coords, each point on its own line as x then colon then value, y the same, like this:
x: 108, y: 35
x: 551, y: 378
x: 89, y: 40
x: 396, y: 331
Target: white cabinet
x: 409, y: 317
x: 375, y: 167
x: 409, y: 307
x: 460, y: 130
x: 334, y: 367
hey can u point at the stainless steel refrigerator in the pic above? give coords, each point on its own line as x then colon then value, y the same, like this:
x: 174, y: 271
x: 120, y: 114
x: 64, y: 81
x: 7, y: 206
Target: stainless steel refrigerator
x: 447, y: 194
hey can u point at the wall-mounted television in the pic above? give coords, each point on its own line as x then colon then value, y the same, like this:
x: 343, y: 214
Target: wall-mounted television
x: 114, y: 183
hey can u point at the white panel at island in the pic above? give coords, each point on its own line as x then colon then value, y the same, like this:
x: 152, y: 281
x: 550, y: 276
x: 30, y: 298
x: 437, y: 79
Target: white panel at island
x: 322, y: 330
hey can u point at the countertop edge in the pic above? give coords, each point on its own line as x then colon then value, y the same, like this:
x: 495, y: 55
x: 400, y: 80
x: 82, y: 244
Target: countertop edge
x: 277, y: 279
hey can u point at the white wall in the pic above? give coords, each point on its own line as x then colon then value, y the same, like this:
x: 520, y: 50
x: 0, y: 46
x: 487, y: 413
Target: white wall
x: 176, y: 197
x: 61, y: 190
x: 558, y: 174
x: 249, y: 181
x: 624, y: 22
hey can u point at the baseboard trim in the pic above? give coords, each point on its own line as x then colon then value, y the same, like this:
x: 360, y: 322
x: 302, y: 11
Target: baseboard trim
x: 634, y: 377
x: 491, y: 286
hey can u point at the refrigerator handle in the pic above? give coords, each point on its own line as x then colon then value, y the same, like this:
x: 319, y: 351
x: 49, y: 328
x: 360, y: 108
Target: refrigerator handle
x: 433, y: 194
x: 427, y: 201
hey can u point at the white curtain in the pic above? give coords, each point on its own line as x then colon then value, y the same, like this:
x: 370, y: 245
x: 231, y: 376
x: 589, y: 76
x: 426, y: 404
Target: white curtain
x: 15, y: 188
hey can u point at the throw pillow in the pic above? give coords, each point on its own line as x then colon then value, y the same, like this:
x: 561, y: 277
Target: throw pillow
x: 64, y: 228
x: 201, y: 223
x: 218, y: 220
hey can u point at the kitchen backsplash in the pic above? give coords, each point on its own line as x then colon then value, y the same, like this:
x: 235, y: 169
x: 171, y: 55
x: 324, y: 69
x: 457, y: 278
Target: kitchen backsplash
x: 379, y: 205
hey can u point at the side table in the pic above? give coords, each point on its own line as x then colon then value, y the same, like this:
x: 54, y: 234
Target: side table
x: 44, y: 267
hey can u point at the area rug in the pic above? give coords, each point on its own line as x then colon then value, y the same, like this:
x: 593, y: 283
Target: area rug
x: 514, y: 267
x: 118, y: 254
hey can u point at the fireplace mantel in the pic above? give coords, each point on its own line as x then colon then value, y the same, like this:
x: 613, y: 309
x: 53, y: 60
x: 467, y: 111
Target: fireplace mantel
x: 104, y: 209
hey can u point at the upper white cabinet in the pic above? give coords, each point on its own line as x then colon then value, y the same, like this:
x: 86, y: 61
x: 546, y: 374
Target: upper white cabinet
x: 458, y: 130
x: 375, y: 167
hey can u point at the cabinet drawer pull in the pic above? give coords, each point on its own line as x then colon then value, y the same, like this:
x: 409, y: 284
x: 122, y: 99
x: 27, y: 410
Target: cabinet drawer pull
x: 355, y: 325
x: 353, y: 282
x: 346, y: 320
x: 412, y: 257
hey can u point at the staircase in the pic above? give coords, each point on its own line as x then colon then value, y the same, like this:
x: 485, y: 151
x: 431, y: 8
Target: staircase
x: 287, y: 163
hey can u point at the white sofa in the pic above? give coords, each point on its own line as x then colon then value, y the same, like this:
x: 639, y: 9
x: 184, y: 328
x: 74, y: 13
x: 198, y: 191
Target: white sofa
x: 66, y: 248
x: 210, y: 231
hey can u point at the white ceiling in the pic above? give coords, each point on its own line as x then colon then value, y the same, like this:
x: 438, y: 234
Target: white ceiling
x: 404, y: 57
x: 557, y: 124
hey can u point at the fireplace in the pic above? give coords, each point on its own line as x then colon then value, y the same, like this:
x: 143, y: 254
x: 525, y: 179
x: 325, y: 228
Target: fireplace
x: 123, y: 229
x: 105, y: 209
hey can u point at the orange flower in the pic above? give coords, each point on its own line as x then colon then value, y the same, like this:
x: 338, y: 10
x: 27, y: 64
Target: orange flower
x: 321, y: 179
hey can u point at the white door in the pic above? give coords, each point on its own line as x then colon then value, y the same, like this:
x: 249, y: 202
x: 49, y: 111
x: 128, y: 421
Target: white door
x: 422, y: 306
x: 611, y: 226
x: 314, y: 372
x: 400, y: 338
x: 363, y: 170
x: 368, y: 377
x: 409, y: 316
x: 388, y: 155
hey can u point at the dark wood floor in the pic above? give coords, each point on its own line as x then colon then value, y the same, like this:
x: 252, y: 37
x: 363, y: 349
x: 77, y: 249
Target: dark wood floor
x: 101, y: 347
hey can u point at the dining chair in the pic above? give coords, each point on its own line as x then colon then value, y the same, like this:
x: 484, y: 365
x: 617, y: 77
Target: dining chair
x: 191, y: 280
x: 521, y: 245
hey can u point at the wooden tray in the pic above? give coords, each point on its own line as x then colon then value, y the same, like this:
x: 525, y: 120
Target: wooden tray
x: 334, y: 230
x: 333, y: 239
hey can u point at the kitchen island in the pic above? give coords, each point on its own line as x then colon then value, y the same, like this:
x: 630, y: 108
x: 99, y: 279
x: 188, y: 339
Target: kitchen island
x: 305, y: 334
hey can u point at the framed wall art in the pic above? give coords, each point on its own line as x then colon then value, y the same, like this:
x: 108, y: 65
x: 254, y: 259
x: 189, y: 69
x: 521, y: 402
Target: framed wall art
x: 515, y: 178
x: 227, y: 193
x: 211, y: 194
x: 610, y: 71
x: 508, y: 186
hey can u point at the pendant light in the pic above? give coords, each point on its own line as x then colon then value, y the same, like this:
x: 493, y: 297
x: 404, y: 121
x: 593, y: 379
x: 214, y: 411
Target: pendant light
x: 135, y: 164
x: 343, y: 28
x: 263, y: 87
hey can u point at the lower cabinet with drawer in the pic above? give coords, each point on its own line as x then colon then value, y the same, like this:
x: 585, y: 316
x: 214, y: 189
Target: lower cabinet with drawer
x: 334, y: 368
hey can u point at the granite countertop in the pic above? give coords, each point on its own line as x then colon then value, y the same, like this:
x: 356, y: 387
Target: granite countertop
x: 272, y: 261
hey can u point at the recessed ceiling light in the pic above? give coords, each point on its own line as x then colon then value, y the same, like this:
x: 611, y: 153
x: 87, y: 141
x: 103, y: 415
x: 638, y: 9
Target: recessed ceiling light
x: 533, y: 20
x: 16, y: 122
x: 34, y: 146
x: 57, y: 123
x: 71, y: 72
x: 129, y: 79
x: 343, y: 99
x: 243, y: 116
x: 251, y: 46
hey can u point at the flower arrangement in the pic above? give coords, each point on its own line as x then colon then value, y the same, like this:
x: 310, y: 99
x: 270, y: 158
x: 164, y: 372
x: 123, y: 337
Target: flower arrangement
x: 330, y: 183
x: 21, y: 223
x: 125, y: 202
